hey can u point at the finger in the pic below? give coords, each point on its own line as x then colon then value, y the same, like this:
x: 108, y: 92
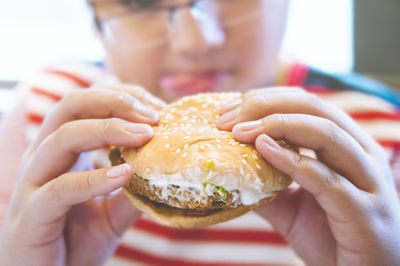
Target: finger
x: 333, y: 146
x: 335, y: 194
x: 232, y: 104
x: 55, y: 198
x: 290, y: 213
x: 260, y: 105
x: 59, y: 151
x: 121, y: 212
x: 271, y: 90
x: 136, y: 91
x: 294, y: 102
x: 96, y: 104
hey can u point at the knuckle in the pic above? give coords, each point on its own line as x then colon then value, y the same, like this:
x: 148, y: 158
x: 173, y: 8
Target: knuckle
x: 110, y: 124
x: 333, y: 131
x: 281, y: 119
x: 254, y: 107
x: 91, y: 183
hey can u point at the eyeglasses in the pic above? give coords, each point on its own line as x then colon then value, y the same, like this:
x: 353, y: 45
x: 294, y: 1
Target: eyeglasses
x: 146, y: 23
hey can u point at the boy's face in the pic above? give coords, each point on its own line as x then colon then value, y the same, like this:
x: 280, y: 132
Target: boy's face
x: 217, y: 45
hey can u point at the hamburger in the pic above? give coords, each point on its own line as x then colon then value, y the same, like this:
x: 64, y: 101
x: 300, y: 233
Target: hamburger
x: 193, y: 174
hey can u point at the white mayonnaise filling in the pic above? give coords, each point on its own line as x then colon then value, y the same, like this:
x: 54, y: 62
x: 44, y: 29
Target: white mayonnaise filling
x: 192, y: 180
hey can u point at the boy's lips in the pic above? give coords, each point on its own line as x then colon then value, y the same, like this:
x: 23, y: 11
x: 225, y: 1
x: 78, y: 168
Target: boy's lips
x: 181, y: 84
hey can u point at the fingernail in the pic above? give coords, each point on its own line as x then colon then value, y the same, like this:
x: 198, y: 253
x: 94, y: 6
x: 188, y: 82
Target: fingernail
x: 119, y: 170
x: 138, y: 128
x: 229, y: 105
x: 248, y: 126
x: 228, y: 117
x: 145, y: 111
x: 269, y: 141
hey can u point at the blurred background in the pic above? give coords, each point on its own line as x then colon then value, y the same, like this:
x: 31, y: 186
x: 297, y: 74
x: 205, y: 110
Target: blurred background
x: 334, y: 35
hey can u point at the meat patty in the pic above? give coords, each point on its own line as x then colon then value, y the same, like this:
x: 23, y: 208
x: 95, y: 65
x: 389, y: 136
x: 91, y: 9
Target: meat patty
x: 178, y: 197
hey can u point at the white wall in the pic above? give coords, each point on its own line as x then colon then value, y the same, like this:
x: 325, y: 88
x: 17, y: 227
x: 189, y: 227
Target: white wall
x: 34, y: 33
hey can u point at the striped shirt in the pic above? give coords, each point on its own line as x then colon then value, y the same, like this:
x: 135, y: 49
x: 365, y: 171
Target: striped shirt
x: 247, y: 240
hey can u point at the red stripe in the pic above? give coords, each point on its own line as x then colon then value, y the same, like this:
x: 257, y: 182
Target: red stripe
x: 212, y: 235
x: 297, y: 75
x: 35, y: 118
x: 78, y: 80
x: 47, y: 94
x: 394, y: 144
x: 133, y: 254
x: 375, y: 115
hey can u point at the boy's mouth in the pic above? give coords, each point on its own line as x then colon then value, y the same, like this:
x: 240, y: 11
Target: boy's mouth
x: 181, y: 84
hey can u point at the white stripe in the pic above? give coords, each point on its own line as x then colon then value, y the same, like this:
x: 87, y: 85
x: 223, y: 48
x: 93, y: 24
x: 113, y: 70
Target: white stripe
x: 87, y: 72
x: 382, y: 129
x: 248, y: 221
x: 351, y: 102
x: 39, y: 104
x: 210, y: 252
x: 32, y: 132
x: 53, y: 83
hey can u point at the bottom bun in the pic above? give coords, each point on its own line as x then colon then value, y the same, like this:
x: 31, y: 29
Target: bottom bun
x: 175, y: 217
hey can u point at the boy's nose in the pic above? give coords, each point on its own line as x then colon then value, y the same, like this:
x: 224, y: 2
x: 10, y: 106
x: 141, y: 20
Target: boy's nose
x: 193, y: 32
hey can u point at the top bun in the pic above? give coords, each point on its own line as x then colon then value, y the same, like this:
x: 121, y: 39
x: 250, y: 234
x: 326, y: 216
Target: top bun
x: 190, y: 160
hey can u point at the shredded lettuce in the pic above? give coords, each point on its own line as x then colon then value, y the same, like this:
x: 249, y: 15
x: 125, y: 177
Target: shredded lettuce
x: 208, y: 188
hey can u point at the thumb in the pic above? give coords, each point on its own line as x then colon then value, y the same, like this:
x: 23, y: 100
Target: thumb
x: 55, y: 198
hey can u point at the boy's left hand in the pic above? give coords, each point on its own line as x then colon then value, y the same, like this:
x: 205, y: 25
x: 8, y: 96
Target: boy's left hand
x: 346, y: 211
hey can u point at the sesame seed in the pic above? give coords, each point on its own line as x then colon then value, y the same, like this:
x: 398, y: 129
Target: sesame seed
x: 244, y: 161
x: 185, y: 118
x: 167, y: 146
x: 158, y: 133
x: 194, y: 116
x: 165, y: 137
x: 202, y: 147
x: 186, y: 146
x: 207, y: 112
x: 188, y: 133
x: 258, y: 166
x: 184, y: 155
x: 169, y: 116
x: 204, y: 105
x: 178, y: 151
x: 173, y: 110
x: 218, y: 141
x: 148, y: 170
x: 245, y: 155
x: 205, y: 121
x: 241, y: 171
x: 219, y: 146
x: 248, y: 176
x: 187, y: 137
x: 182, y: 124
x: 255, y: 157
x: 242, y: 145
x: 180, y: 103
x: 209, y: 145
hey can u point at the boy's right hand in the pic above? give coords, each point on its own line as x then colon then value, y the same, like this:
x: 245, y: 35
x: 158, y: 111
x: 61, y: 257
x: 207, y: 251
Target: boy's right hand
x: 57, y: 217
